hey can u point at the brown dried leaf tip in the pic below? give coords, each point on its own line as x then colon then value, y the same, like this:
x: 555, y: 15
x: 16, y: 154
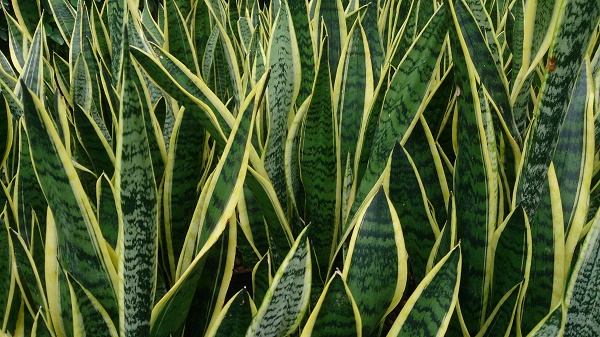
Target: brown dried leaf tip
x: 551, y: 64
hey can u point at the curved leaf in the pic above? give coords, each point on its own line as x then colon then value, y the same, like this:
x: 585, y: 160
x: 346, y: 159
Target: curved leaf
x: 376, y: 263
x: 287, y: 299
x: 428, y: 310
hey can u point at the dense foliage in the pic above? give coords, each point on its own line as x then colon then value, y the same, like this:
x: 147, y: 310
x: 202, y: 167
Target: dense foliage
x: 309, y: 168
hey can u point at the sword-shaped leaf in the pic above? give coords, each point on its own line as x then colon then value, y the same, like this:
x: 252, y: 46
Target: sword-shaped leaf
x: 487, y: 69
x: 5, y: 262
x: 512, y: 251
x: 116, y: 11
x: 408, y: 197
x: 29, y: 199
x: 428, y: 310
x: 220, y: 194
x: 318, y: 167
x: 547, y: 275
x: 28, y: 275
x: 33, y: 71
x: 216, y: 279
x: 376, y: 268
x: 18, y: 43
x: 81, y: 249
x: 551, y: 325
x: 177, y: 37
x: 93, y: 142
x: 94, y: 318
x: 331, y: 12
x: 299, y: 14
x: 136, y: 198
x: 475, y: 186
x: 287, y: 299
x: 235, y: 316
x: 283, y: 59
x: 577, y: 21
x: 335, y: 314
x: 357, y: 93
x: 403, y: 101
x: 64, y: 16
x: 502, y: 318
x: 261, y: 278
x: 171, y: 76
x: 201, y: 30
x: 573, y: 159
x: 106, y: 210
x: 182, y: 175
x: 583, y: 293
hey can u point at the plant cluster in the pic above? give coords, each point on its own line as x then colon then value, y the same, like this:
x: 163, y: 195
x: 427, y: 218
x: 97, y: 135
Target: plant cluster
x: 365, y: 168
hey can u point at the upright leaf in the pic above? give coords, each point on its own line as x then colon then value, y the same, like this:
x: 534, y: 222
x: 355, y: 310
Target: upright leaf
x: 318, y: 167
x: 221, y: 194
x: 402, y: 102
x: 409, y: 200
x: 182, y: 176
x: 569, y: 44
x: 583, y: 293
x: 235, y: 317
x: 287, y: 298
x: 376, y: 263
x: 81, y: 246
x: 475, y: 184
x: 136, y: 199
x: 428, y: 310
x: 281, y: 94
x: 335, y: 314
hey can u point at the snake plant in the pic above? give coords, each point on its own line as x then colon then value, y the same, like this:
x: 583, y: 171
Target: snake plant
x: 365, y: 168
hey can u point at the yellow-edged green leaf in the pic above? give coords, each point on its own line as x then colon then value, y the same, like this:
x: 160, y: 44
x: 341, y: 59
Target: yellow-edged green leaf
x: 299, y: 14
x: 5, y: 263
x: 547, y: 276
x: 410, y: 202
x: 512, y: 251
x: 401, y: 106
x: 106, y: 210
x: 235, y: 316
x: 33, y: 71
x: 573, y: 159
x: 220, y: 193
x: 475, y: 185
x: 116, y: 11
x: 29, y: 278
x: 81, y: 249
x: 177, y: 81
x: 177, y: 37
x: 549, y: 326
x: 64, y: 16
x: 19, y: 43
x: 583, y: 293
x: 29, y: 199
x: 283, y: 87
x: 214, y: 283
x: 578, y: 19
x: 183, y: 172
x: 357, y: 90
x: 428, y: 310
x: 335, y: 314
x: 96, y: 321
x: 136, y: 198
x: 376, y: 268
x: 501, y: 320
x: 318, y: 167
x: 481, y: 54
x: 261, y: 278
x: 287, y: 299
